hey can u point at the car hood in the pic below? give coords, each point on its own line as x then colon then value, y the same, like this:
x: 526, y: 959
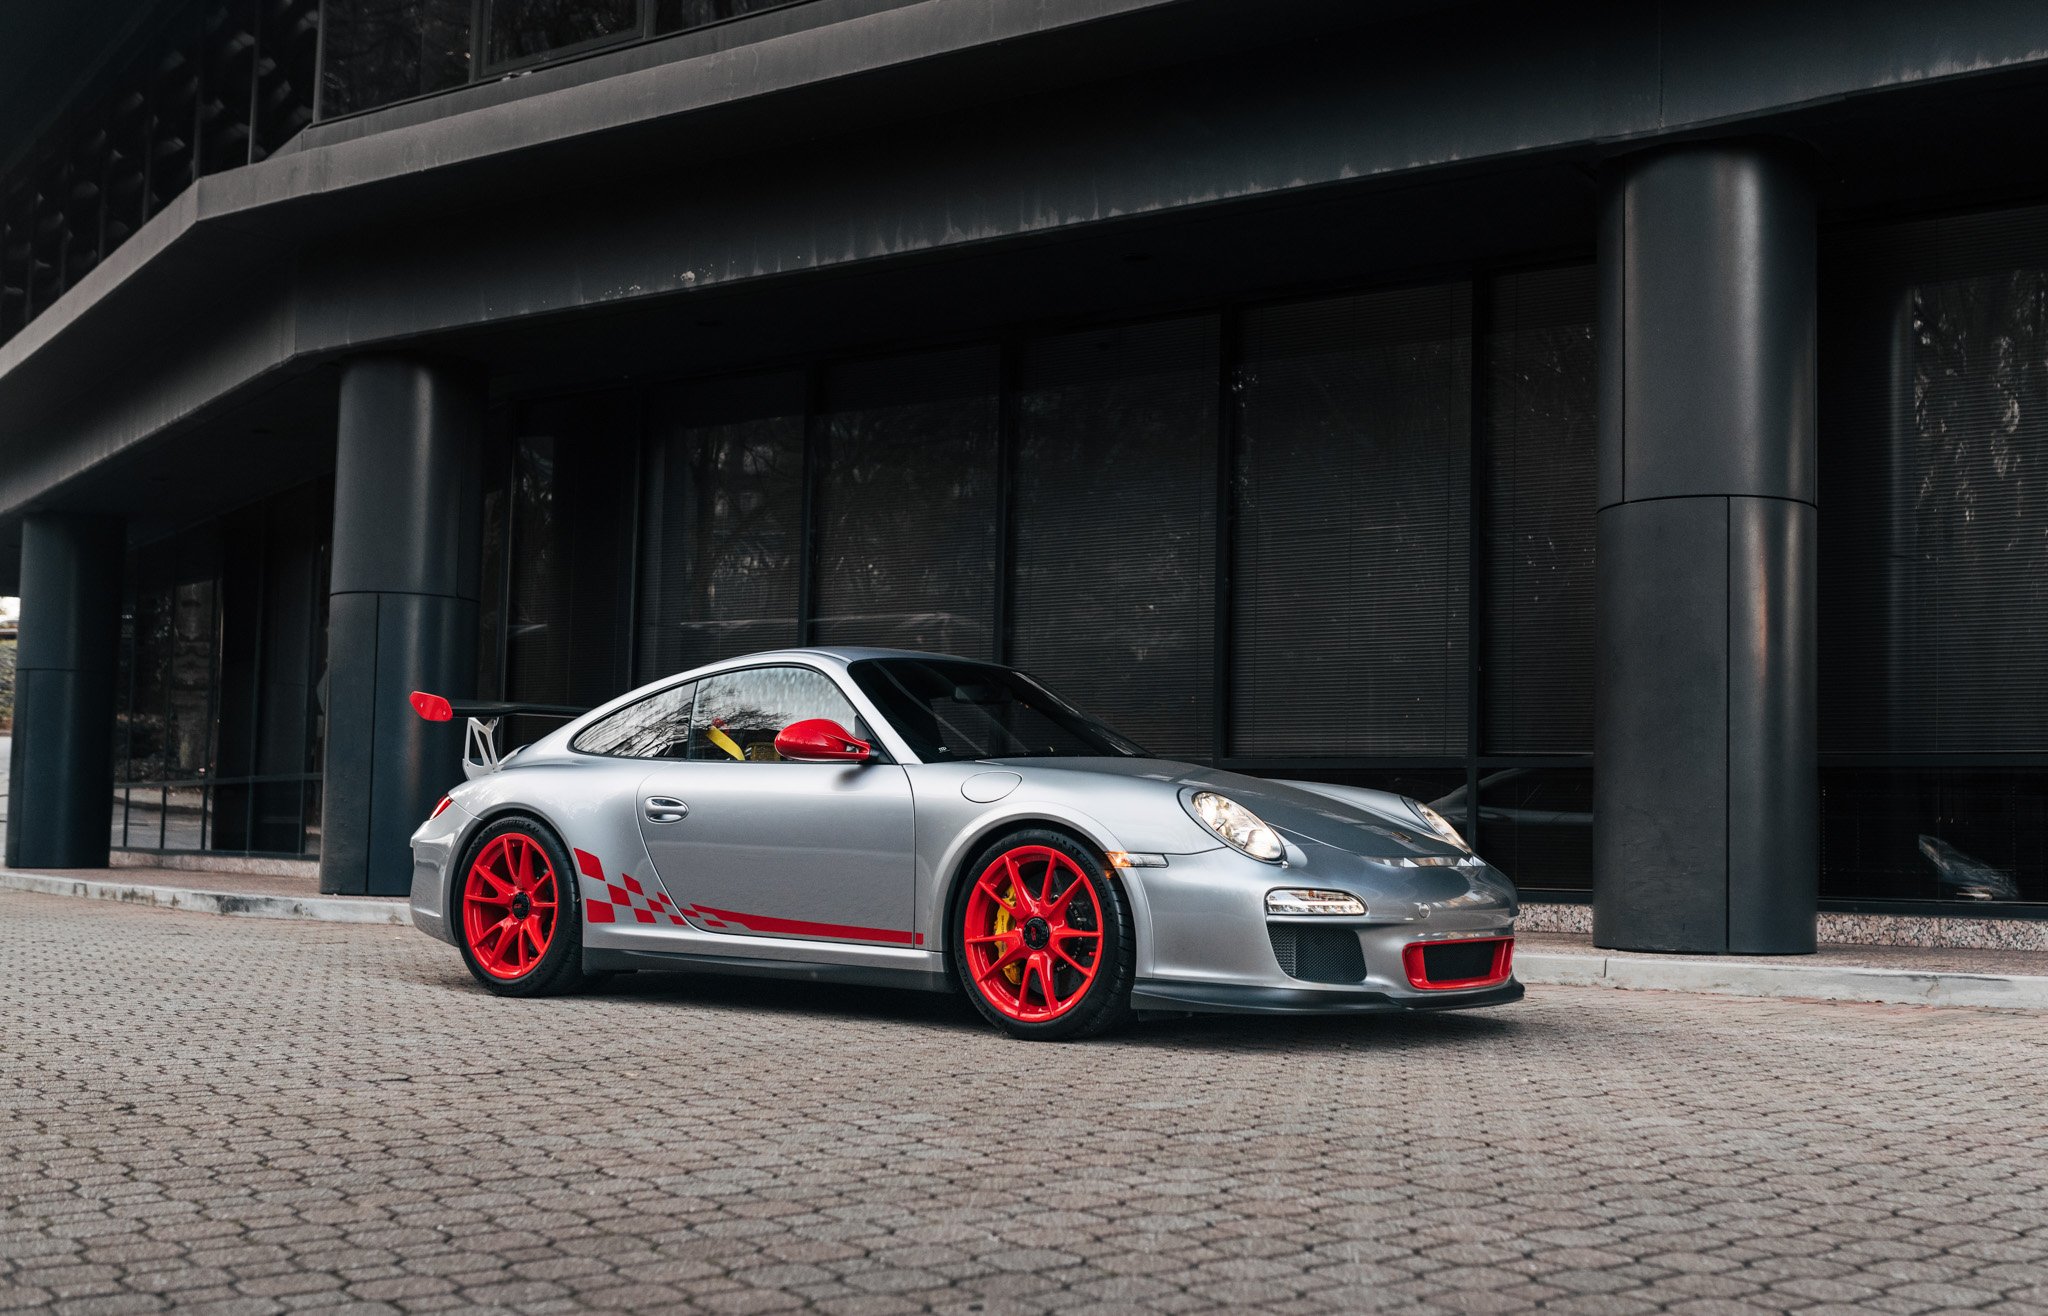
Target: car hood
x: 1363, y: 822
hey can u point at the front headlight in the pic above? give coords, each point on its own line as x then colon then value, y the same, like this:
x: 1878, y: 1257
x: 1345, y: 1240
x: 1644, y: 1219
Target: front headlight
x: 1237, y: 827
x: 1440, y: 825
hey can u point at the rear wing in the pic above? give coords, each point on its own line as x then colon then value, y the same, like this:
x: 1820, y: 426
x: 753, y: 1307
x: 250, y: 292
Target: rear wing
x: 480, y: 755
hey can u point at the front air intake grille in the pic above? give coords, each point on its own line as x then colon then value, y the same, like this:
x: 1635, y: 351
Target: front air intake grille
x: 1317, y: 954
x: 1464, y: 963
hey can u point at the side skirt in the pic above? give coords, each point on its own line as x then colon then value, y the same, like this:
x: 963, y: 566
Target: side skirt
x: 852, y: 975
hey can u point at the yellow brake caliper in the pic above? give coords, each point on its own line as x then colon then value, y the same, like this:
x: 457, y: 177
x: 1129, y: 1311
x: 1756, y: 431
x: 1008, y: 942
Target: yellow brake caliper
x: 1014, y: 972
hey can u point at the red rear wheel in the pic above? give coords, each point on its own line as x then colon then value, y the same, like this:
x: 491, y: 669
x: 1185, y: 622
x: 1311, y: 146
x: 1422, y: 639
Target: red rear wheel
x: 1044, y: 938
x: 510, y: 906
x: 521, y: 918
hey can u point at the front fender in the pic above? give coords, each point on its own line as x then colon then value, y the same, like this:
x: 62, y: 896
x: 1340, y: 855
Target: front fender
x: 965, y: 834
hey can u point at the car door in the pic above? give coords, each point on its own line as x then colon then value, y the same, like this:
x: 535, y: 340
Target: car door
x: 753, y: 846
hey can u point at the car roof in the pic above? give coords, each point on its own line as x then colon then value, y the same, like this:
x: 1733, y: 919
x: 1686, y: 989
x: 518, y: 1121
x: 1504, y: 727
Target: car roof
x: 838, y: 654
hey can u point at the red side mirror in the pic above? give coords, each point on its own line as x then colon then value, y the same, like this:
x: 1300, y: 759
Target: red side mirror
x: 820, y: 740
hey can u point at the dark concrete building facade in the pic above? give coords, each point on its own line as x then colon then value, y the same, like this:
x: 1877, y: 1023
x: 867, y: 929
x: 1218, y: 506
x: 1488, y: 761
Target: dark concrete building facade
x: 1627, y: 427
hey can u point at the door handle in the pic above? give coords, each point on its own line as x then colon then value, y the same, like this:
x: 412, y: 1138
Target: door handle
x: 664, y: 809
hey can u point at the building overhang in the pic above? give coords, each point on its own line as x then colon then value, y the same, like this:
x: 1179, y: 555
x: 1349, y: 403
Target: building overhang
x: 849, y: 146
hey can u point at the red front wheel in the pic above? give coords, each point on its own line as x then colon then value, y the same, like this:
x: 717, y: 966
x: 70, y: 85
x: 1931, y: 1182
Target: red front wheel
x: 1044, y: 946
x: 520, y: 920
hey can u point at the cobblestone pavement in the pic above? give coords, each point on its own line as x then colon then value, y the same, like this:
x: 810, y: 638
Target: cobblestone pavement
x: 266, y: 1116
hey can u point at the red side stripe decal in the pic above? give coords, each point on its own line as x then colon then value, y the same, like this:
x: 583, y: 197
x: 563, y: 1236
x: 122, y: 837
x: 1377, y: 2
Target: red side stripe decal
x: 796, y: 927
x: 603, y: 901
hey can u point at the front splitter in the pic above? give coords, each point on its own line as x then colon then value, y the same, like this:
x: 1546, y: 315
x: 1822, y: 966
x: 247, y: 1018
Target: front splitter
x: 1168, y: 997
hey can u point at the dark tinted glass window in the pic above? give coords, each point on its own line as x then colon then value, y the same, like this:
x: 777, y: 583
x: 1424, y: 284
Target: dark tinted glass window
x: 1113, y: 575
x: 950, y: 711
x: 1934, y: 609
x: 522, y: 30
x: 1915, y: 833
x: 657, y: 727
x: 739, y: 714
x: 378, y: 51
x: 570, y: 572
x: 219, y: 727
x: 906, y: 552
x: 1352, y: 491
x: 679, y: 15
x: 722, y: 518
x: 1535, y: 825
x: 1934, y: 557
x: 1541, y: 489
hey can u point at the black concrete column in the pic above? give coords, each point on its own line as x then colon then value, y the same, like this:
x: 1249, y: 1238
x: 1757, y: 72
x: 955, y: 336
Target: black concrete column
x: 62, y: 766
x: 1706, y: 809
x: 403, y: 615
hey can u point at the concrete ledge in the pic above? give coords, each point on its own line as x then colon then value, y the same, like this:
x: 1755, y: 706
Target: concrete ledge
x: 206, y: 861
x: 1718, y: 977
x: 235, y: 904
x: 1960, y: 931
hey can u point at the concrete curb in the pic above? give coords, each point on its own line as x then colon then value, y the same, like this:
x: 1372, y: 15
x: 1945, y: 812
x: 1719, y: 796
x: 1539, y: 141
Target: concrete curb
x: 1812, y: 981
x: 234, y: 904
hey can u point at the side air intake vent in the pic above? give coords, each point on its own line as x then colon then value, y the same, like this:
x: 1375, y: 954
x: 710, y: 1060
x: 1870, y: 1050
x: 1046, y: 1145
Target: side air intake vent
x: 1317, y: 954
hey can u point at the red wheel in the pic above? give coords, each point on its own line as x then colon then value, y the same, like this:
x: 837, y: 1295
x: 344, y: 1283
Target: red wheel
x: 520, y: 915
x: 509, y: 906
x: 1044, y: 938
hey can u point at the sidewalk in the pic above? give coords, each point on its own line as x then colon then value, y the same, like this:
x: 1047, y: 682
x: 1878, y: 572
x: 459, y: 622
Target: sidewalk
x: 1901, y: 975
x: 240, y: 895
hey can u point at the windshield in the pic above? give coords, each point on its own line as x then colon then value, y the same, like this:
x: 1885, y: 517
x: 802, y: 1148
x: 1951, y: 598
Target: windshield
x: 951, y: 710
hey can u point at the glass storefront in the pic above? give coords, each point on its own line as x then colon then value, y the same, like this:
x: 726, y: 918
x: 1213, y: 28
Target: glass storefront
x: 1934, y: 560
x: 1062, y: 501
x: 219, y: 724
x: 1348, y: 538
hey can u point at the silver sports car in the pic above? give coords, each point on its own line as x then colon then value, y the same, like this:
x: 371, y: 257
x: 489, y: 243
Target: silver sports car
x: 873, y: 816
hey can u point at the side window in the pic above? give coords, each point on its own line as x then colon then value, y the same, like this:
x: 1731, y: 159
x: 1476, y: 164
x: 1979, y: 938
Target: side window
x: 658, y: 727
x: 740, y: 713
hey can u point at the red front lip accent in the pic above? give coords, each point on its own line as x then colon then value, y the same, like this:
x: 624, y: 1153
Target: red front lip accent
x: 1418, y: 974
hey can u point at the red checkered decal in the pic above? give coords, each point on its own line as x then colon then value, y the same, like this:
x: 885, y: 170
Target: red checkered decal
x: 623, y: 901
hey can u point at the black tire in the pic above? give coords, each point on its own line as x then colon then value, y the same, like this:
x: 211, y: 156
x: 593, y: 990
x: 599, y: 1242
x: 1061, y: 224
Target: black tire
x: 1106, y: 1002
x: 559, y: 969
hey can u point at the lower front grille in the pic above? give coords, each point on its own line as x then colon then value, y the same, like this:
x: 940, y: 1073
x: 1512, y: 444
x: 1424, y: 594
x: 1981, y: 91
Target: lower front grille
x: 1456, y: 964
x: 1317, y: 954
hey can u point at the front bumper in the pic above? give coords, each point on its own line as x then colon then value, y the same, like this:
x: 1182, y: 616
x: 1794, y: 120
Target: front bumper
x: 1211, y: 946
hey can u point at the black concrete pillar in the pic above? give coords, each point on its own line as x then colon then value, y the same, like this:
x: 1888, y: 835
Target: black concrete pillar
x: 62, y: 768
x: 403, y: 615
x: 1706, y: 809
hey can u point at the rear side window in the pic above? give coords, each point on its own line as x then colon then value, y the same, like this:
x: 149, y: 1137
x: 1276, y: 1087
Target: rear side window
x: 740, y: 713
x: 657, y: 727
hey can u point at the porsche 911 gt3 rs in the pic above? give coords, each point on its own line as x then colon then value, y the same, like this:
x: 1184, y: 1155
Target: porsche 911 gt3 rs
x: 900, y: 819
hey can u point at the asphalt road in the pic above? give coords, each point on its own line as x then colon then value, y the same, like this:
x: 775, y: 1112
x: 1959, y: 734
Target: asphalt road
x: 262, y: 1116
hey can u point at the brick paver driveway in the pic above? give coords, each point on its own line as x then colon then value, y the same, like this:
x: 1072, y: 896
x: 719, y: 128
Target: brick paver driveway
x: 281, y: 1115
